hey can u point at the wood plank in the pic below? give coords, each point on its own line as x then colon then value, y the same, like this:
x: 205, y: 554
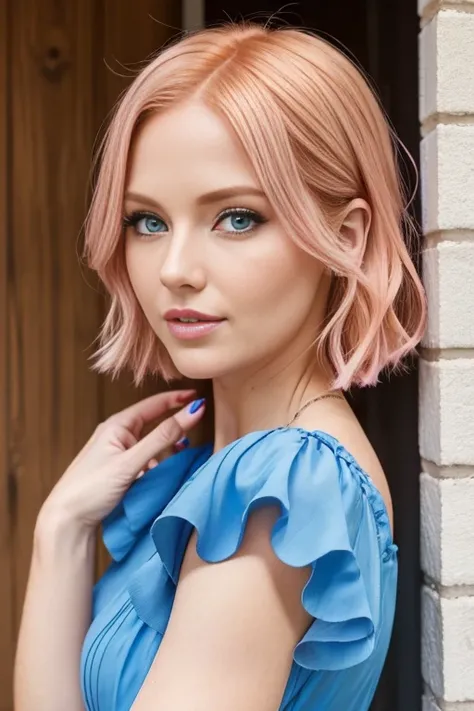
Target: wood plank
x: 6, y: 492
x: 124, y: 52
x: 54, y: 402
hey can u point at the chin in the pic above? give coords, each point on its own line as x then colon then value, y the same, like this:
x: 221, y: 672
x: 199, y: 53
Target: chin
x: 202, y: 366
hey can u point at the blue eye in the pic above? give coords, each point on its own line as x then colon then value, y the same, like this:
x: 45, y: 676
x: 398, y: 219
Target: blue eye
x: 145, y: 223
x: 233, y: 221
x: 239, y: 220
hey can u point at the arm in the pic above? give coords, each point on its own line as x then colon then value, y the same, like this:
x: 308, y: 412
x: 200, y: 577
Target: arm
x: 57, y: 610
x: 232, y: 630
x: 55, y: 618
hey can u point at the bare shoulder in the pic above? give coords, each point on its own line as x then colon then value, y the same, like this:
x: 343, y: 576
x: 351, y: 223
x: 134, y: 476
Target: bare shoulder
x: 337, y: 419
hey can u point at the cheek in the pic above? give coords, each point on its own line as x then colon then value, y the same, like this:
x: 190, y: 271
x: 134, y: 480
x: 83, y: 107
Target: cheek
x: 141, y: 275
x: 278, y: 281
x: 280, y: 296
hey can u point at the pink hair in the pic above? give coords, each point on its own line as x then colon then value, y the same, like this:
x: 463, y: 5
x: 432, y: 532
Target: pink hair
x: 317, y: 139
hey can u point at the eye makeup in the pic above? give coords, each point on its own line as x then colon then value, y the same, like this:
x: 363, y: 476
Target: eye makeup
x: 238, y: 217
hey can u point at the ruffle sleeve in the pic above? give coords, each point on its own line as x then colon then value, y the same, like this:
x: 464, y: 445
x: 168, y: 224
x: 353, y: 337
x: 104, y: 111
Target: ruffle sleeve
x: 147, y: 498
x: 332, y: 518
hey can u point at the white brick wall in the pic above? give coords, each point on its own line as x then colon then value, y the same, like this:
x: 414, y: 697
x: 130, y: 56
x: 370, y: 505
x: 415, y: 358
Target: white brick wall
x: 429, y: 704
x: 447, y: 411
x: 448, y: 195
x: 448, y: 643
x: 427, y: 7
x: 446, y: 265
x: 446, y: 47
x: 447, y: 531
x: 447, y: 364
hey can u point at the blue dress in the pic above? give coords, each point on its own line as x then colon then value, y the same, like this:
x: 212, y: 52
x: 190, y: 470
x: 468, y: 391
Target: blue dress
x: 332, y: 518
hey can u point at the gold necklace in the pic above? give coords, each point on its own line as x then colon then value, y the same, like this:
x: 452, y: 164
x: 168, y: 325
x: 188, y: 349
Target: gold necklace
x: 337, y: 396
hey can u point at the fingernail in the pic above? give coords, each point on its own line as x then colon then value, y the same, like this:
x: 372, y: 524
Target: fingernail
x: 182, y: 443
x: 196, y: 404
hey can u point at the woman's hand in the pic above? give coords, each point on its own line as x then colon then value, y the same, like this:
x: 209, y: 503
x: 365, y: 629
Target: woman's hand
x: 115, y: 456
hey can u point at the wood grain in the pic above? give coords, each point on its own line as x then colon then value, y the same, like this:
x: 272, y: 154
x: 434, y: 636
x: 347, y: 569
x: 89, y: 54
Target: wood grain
x: 56, y: 89
x: 54, y: 313
x: 7, y: 493
x: 132, y: 32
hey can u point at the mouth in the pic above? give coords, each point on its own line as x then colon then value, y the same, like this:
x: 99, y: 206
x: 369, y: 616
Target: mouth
x: 188, y: 329
x: 188, y: 323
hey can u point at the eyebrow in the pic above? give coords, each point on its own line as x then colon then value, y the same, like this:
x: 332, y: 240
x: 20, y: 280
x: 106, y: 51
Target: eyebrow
x: 207, y: 198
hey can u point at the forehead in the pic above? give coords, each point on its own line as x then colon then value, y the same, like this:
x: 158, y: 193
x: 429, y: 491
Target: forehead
x: 190, y: 144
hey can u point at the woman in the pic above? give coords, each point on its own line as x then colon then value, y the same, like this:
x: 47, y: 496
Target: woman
x: 247, y: 222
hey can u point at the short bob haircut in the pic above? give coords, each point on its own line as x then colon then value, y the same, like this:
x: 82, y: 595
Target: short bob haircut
x: 317, y: 138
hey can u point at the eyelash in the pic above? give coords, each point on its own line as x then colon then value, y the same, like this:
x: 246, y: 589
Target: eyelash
x: 134, y: 218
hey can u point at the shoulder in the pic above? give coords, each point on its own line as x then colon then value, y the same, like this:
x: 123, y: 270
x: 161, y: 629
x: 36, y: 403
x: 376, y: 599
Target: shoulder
x: 295, y: 525
x: 311, y: 477
x: 339, y: 423
x: 323, y: 499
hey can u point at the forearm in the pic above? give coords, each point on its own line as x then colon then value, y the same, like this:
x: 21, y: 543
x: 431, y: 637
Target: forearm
x: 56, y: 616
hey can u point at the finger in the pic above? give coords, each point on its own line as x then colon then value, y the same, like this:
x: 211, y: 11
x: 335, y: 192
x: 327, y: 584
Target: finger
x: 181, y: 444
x: 164, y: 435
x: 144, y: 411
x: 152, y: 463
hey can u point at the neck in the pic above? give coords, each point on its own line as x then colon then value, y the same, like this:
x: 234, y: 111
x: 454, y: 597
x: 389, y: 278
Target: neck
x: 265, y: 397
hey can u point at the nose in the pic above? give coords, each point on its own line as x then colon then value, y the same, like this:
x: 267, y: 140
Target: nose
x: 183, y: 266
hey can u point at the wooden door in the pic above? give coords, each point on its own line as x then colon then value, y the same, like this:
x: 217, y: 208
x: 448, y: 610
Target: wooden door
x: 62, y: 65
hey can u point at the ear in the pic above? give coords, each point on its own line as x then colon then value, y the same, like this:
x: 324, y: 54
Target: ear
x: 355, y: 227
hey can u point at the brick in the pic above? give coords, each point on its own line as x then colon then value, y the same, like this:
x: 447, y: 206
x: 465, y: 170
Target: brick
x: 447, y: 411
x: 432, y: 641
x: 448, y: 270
x: 423, y: 4
x: 429, y: 704
x: 447, y: 64
x: 431, y: 527
x: 447, y: 533
x: 448, y: 645
x: 447, y: 169
x: 428, y: 69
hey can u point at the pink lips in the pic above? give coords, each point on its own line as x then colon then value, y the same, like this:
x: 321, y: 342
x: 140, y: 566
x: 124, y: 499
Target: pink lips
x: 204, y: 324
x: 192, y: 330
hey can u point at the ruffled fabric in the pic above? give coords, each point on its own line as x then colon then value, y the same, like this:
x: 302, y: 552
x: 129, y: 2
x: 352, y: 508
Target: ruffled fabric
x: 147, y: 498
x: 332, y: 518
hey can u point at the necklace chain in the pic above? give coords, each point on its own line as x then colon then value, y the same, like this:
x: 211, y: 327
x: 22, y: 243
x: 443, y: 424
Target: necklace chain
x: 324, y: 396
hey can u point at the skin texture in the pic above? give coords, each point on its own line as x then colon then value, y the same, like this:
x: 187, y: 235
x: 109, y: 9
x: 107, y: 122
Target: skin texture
x: 272, y: 294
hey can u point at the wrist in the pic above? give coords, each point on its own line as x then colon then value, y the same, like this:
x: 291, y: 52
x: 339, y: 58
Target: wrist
x: 53, y: 525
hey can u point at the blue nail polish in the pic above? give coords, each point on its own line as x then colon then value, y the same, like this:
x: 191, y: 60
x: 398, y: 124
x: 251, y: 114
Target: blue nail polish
x: 182, y: 443
x: 196, y: 404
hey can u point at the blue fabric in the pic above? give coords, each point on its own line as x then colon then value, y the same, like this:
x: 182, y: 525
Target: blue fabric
x: 331, y: 518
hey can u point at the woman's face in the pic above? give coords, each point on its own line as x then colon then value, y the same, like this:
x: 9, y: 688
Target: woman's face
x: 201, y: 235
